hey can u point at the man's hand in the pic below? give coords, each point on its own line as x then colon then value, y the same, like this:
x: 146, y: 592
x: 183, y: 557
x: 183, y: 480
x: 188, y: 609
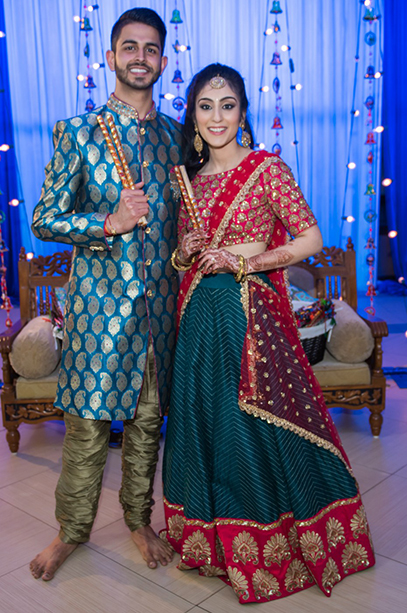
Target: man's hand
x: 133, y: 205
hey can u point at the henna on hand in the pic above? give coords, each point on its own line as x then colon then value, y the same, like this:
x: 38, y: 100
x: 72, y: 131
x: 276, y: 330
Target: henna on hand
x: 269, y: 260
x: 191, y: 243
x: 218, y: 259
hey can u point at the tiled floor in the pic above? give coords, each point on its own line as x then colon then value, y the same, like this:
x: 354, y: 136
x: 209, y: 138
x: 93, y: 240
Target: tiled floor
x: 107, y: 575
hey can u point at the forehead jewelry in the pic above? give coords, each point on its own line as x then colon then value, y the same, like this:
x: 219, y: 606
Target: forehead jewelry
x: 217, y: 82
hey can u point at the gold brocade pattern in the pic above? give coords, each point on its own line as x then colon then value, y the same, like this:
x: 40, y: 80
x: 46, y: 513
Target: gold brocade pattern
x: 245, y: 549
x: 297, y: 575
x: 197, y: 547
x: 331, y: 575
x: 358, y: 523
x: 239, y: 582
x: 176, y: 526
x: 265, y: 584
x: 212, y: 571
x: 312, y: 547
x: 276, y: 550
x: 353, y: 556
x: 335, y: 532
x: 328, y: 509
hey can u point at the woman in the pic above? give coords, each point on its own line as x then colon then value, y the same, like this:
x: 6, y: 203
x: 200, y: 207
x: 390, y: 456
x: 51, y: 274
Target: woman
x: 258, y: 489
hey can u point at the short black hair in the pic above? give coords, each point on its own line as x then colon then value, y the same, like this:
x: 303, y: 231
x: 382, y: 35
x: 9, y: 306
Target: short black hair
x: 139, y: 15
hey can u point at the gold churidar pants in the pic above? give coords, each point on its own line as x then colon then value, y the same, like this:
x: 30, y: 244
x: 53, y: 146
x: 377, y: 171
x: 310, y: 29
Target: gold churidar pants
x: 83, y: 460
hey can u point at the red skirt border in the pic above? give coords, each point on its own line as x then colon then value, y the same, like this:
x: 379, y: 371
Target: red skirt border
x: 264, y: 562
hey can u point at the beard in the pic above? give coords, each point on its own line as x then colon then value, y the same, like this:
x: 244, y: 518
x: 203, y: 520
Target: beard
x: 139, y: 83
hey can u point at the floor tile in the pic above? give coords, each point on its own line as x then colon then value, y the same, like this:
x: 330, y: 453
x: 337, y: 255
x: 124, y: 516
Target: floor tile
x: 386, y: 506
x: 21, y: 538
x: 87, y: 583
x: 115, y: 543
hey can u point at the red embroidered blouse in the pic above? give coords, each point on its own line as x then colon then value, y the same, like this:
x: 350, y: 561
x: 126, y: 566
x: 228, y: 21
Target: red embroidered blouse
x: 275, y: 194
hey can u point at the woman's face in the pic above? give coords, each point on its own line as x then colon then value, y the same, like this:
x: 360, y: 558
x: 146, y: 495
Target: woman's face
x: 217, y: 114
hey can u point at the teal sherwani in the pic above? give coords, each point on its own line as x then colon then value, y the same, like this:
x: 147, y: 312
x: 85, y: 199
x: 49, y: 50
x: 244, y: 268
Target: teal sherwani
x: 122, y: 289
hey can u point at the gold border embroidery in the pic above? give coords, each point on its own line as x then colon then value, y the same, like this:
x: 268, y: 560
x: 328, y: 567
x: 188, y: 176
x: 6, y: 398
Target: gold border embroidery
x: 299, y: 523
x: 244, y: 297
x: 220, y: 232
x: 287, y: 425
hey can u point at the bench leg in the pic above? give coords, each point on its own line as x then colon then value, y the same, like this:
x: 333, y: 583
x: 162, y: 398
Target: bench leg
x: 375, y: 420
x: 12, y: 437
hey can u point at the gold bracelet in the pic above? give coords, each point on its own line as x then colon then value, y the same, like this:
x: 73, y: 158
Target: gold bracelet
x: 241, y: 273
x: 109, y: 226
x: 178, y: 264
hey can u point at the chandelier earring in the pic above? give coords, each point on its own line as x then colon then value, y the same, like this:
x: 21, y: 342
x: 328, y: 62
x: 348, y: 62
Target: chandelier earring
x: 198, y: 144
x: 245, y: 136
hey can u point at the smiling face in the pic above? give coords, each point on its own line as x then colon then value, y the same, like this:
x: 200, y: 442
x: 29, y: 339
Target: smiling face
x: 137, y: 60
x: 218, y: 114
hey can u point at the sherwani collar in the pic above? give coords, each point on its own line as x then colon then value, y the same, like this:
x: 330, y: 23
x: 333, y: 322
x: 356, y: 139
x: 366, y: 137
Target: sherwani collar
x: 122, y: 108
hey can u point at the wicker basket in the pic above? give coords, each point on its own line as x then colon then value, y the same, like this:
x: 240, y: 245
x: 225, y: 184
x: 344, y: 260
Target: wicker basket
x: 315, y: 348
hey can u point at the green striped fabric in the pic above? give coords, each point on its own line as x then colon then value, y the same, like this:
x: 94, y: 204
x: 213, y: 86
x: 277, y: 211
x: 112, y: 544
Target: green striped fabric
x: 220, y: 461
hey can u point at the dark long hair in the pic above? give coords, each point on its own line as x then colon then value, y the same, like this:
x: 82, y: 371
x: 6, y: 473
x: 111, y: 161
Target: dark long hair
x: 192, y: 160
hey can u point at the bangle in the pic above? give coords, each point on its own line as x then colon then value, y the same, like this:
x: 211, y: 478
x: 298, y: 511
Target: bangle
x: 109, y: 227
x: 179, y: 264
x: 242, y: 272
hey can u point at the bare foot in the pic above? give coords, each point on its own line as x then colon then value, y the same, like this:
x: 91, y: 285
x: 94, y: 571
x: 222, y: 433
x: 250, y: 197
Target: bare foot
x: 151, y: 547
x: 46, y: 563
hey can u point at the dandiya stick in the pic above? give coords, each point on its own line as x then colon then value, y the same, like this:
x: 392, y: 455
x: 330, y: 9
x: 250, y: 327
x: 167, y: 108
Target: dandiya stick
x: 118, y: 156
x: 188, y: 196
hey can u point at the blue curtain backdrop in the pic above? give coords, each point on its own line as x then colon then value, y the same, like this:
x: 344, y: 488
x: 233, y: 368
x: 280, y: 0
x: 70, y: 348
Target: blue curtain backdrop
x: 15, y: 221
x: 395, y: 136
x: 44, y: 45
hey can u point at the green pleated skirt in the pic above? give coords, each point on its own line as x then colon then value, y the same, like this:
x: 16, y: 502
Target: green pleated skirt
x: 219, y: 461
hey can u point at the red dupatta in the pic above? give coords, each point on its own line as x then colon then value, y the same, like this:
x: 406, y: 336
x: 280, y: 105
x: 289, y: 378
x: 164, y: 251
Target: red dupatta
x: 277, y: 382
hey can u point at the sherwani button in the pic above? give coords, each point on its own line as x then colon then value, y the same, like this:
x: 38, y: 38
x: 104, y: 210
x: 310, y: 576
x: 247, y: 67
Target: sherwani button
x: 149, y: 293
x: 148, y: 262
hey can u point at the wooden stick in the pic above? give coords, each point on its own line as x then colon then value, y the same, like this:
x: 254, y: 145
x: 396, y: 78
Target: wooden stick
x: 187, y: 196
x: 118, y: 156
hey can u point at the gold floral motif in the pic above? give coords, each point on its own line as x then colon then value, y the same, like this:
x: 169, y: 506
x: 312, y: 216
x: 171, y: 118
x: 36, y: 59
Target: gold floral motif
x: 331, y: 575
x: 239, y: 582
x: 183, y: 566
x: 335, y: 532
x: 358, y: 523
x: 265, y: 584
x: 354, y: 555
x: 276, y: 550
x: 245, y: 548
x: 197, y: 547
x: 297, y: 574
x: 220, y: 552
x: 312, y: 547
x: 176, y: 526
x: 212, y: 571
x: 293, y: 538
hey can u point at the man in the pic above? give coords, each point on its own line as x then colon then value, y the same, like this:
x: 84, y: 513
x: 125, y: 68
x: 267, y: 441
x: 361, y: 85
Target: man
x: 120, y: 311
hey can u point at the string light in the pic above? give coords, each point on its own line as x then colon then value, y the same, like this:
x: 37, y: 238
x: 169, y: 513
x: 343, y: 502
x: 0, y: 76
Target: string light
x: 15, y: 202
x: 377, y: 75
x: 400, y: 279
x: 81, y: 77
x: 77, y: 19
x: 351, y: 165
x: 2, y: 34
x: 285, y: 48
x: 268, y: 32
x: 29, y: 255
x: 387, y: 182
x: 169, y: 96
x: 4, y: 147
x: 265, y: 88
x: 379, y: 129
x: 262, y: 146
x: 349, y: 218
x: 392, y: 234
x: 298, y: 87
